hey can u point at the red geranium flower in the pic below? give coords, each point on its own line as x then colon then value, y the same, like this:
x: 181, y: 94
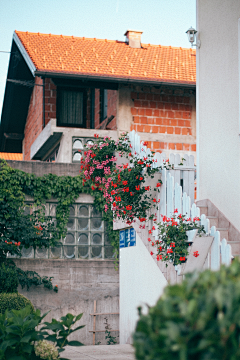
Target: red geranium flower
x: 196, y: 253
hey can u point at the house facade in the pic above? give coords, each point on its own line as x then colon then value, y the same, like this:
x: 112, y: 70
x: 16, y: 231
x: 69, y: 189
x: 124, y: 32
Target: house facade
x: 61, y: 89
x: 218, y: 120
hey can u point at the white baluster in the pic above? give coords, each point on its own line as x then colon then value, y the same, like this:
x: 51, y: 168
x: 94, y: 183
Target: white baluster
x: 215, y: 251
x: 170, y: 194
x: 223, y: 251
x: 171, y: 158
x: 163, y: 193
x: 178, y: 198
x: 191, y: 161
x: 228, y: 255
x: 186, y: 205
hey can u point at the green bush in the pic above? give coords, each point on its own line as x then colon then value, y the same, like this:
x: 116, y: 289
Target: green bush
x: 8, y: 279
x: 196, y: 320
x: 14, y: 301
x: 21, y: 337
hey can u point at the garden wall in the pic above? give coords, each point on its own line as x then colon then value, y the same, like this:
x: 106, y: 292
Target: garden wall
x: 80, y: 282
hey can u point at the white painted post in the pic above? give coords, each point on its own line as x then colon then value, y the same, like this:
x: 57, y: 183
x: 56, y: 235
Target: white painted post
x: 170, y: 192
x: 178, y: 198
x: 195, y: 211
x: 137, y: 144
x: 223, y: 251
x: 228, y: 255
x: 176, y: 171
x: 186, y: 205
x: 163, y: 193
x: 205, y: 223
x: 215, y: 250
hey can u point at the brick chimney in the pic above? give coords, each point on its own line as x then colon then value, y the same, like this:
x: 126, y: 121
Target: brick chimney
x: 133, y: 38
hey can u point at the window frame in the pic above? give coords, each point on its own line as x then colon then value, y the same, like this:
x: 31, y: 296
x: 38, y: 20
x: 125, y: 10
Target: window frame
x: 48, y: 253
x: 104, y: 104
x: 84, y: 106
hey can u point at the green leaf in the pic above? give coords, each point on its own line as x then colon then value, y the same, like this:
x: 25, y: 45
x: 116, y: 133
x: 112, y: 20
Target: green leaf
x: 77, y: 328
x: 26, y: 338
x: 78, y: 317
x: 75, y: 343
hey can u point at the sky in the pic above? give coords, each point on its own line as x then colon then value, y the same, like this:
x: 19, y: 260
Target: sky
x: 163, y: 22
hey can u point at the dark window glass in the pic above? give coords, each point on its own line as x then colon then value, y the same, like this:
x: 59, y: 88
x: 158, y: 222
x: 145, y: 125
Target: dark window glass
x: 70, y: 108
x: 104, y: 104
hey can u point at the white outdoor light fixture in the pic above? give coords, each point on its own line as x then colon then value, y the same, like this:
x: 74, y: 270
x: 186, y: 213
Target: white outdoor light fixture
x: 191, y: 33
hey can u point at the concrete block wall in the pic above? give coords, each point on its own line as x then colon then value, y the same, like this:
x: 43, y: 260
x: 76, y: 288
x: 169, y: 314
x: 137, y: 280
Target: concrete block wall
x: 80, y: 282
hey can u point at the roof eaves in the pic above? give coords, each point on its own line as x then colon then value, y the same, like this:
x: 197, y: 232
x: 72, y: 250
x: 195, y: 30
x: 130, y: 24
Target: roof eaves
x: 24, y: 53
x: 121, y: 79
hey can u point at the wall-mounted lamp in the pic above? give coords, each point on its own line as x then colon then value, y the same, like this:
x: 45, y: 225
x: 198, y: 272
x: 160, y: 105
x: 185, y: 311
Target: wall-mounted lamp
x: 191, y: 33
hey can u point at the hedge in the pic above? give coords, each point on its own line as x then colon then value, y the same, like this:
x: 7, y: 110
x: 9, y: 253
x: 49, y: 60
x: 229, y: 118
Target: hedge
x: 13, y: 301
x: 196, y: 320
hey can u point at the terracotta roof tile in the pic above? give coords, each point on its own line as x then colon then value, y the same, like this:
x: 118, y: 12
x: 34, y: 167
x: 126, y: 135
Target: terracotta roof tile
x: 108, y: 58
x: 11, y: 156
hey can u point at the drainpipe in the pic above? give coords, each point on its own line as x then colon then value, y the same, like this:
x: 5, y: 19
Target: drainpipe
x: 43, y: 103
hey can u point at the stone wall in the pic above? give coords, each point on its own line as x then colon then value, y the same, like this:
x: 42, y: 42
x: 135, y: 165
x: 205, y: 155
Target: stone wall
x: 80, y: 282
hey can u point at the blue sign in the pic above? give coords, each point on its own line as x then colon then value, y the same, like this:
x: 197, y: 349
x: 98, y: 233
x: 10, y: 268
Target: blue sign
x: 122, y: 238
x: 127, y: 238
x: 132, y: 237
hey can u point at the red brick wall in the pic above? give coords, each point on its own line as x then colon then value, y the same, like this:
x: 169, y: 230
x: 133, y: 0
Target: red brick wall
x: 34, y: 122
x: 164, y: 112
x: 50, y: 100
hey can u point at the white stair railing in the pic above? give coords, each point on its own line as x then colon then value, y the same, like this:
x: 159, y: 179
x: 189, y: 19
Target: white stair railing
x: 173, y: 196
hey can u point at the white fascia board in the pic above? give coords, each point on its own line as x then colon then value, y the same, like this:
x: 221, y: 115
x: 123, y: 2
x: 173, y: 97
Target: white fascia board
x: 24, y: 53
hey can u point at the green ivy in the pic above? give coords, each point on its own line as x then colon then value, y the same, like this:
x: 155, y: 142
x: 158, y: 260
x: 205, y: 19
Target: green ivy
x: 8, y: 279
x: 36, y: 229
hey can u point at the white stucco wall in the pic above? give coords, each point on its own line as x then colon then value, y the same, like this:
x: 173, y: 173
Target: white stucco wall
x: 218, y: 141
x: 141, y: 283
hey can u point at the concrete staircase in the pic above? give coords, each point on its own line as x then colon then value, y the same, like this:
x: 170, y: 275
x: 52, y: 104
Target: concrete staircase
x: 226, y: 229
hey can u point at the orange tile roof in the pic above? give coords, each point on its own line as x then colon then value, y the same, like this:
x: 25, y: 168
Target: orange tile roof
x: 11, y: 156
x: 108, y: 58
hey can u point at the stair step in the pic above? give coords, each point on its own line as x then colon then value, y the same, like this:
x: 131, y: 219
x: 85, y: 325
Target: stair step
x: 223, y: 233
x: 203, y: 209
x: 213, y: 221
x: 235, y: 247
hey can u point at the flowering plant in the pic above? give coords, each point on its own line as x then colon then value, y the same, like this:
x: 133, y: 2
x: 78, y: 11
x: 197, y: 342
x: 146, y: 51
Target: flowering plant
x: 123, y: 185
x: 46, y: 350
x: 172, y: 245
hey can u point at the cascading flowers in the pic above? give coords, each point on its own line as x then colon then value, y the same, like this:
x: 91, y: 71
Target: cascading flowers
x: 115, y: 170
x: 172, y: 244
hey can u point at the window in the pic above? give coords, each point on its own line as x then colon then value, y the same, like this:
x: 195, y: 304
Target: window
x: 85, y: 239
x: 71, y: 108
x: 53, y: 156
x: 104, y: 104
